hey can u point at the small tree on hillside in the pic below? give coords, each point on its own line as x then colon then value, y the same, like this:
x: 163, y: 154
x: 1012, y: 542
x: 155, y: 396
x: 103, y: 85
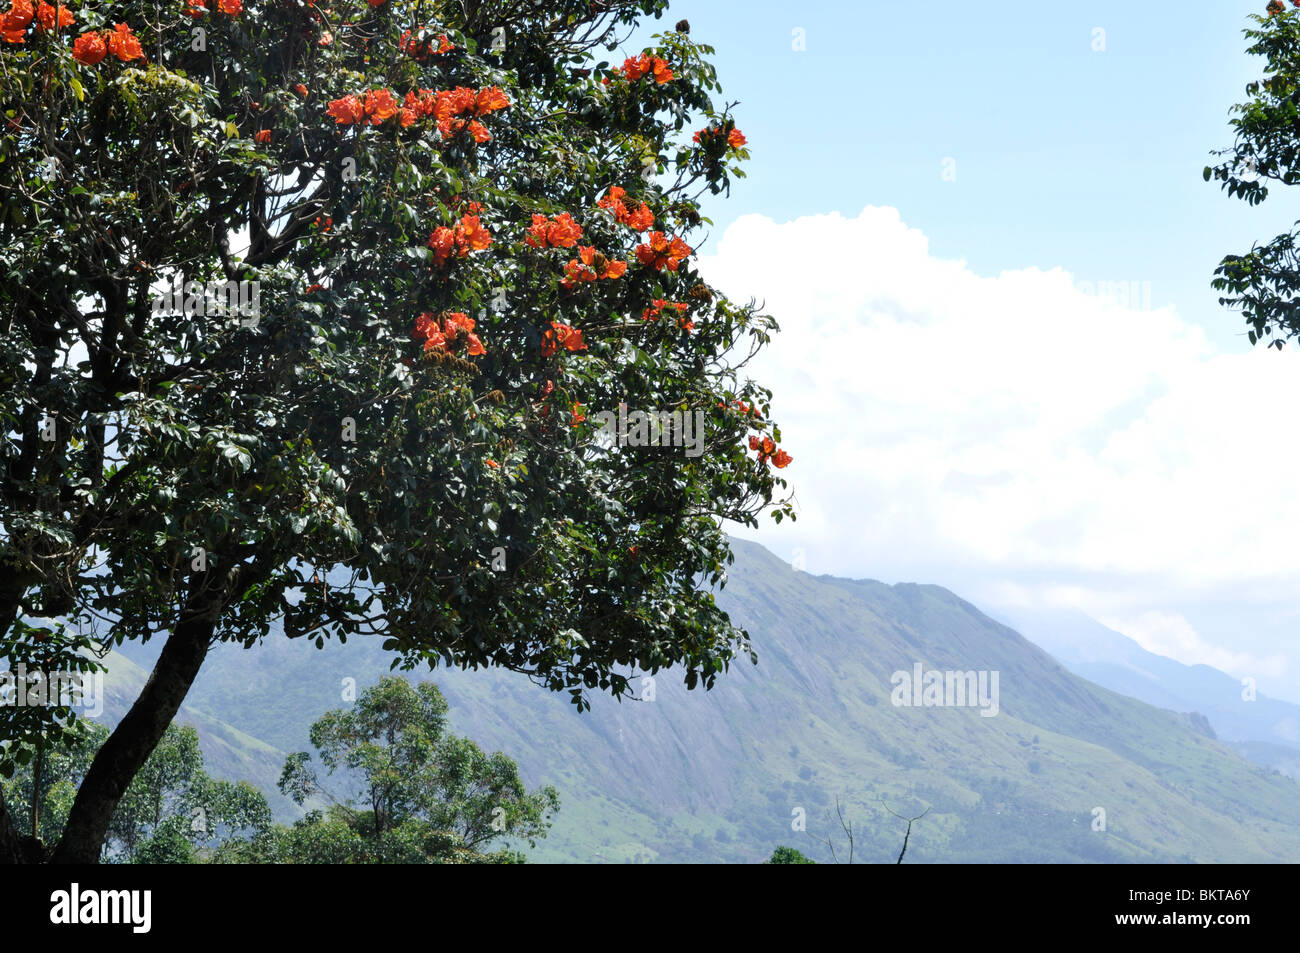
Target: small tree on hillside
x: 414, y: 792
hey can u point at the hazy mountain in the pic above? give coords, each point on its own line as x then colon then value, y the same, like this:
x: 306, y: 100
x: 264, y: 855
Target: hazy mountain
x: 1265, y: 729
x: 723, y: 775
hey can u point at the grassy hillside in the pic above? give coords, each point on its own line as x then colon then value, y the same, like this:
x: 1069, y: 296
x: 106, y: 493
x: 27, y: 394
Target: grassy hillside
x: 719, y: 776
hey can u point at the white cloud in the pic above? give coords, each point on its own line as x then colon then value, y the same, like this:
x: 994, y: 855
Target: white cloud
x: 1170, y: 634
x: 1015, y: 428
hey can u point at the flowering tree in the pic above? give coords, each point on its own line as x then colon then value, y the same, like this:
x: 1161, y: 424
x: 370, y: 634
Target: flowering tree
x: 1263, y: 283
x: 307, y: 312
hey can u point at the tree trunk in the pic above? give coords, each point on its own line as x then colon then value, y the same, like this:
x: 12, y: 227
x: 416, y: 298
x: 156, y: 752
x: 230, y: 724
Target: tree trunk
x: 136, y: 736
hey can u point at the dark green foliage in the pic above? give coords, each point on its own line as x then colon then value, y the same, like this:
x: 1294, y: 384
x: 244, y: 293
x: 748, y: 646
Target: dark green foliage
x: 788, y: 855
x: 1263, y: 283
x: 417, y: 794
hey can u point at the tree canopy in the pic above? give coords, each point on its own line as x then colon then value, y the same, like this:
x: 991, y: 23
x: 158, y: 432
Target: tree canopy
x: 1263, y: 282
x: 415, y: 793
x: 308, y: 309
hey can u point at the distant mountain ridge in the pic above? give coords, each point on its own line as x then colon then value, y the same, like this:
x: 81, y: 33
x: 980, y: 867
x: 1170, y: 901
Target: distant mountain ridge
x: 1265, y: 730
x: 729, y: 774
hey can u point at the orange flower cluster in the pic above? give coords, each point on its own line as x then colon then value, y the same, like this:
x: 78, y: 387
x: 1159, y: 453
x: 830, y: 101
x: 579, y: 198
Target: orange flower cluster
x: 767, y: 451
x: 591, y: 265
x: 639, y: 220
x: 197, y: 8
x: 561, y: 335
x: 448, y: 107
x: 735, y: 138
x: 263, y: 135
x: 466, y: 236
x: 634, y: 67
x: 377, y: 106
x: 21, y: 13
x: 743, y: 407
x: 423, y: 49
x: 560, y: 232
x: 14, y: 22
x: 576, y: 414
x: 653, y: 313
x: 90, y: 48
x: 660, y: 252
x: 456, y: 328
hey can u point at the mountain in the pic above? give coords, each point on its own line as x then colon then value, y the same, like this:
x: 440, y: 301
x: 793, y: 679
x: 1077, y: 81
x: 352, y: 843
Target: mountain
x: 723, y: 775
x: 227, y: 752
x: 1263, y: 729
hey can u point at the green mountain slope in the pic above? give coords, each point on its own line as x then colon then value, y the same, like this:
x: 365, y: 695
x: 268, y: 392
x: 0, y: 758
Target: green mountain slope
x: 227, y: 751
x: 723, y: 775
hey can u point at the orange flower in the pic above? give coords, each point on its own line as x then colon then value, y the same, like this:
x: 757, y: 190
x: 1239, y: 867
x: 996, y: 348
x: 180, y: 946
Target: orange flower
x: 421, y: 49
x: 16, y: 21
x: 576, y: 414
x: 652, y: 314
x: 427, y: 330
x: 614, y: 202
x: 300, y: 89
x: 326, y: 39
x: 641, y: 220
x: 490, y: 99
x: 380, y: 104
x: 560, y: 232
x: 123, y: 44
x: 50, y: 18
x: 735, y: 138
x: 346, y: 110
x: 468, y: 235
x: 195, y: 9
x: 89, y: 49
x: 458, y: 100
x: 561, y: 335
x: 659, y: 252
x: 768, y: 453
x: 263, y: 135
x: 591, y: 265
x: 474, y: 235
x: 492, y: 463
x: 443, y: 242
x: 634, y: 67
x: 232, y: 8
x: 457, y: 326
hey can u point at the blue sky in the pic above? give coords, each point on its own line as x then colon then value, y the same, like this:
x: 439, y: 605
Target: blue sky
x: 960, y: 408
x: 1064, y: 156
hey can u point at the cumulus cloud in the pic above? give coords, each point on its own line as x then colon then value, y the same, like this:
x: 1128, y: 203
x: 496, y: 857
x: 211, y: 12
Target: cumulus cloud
x: 1017, y: 427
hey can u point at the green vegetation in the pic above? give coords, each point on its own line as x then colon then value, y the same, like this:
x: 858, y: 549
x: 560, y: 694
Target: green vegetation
x: 394, y: 432
x: 422, y: 795
x: 788, y: 855
x: 812, y: 722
